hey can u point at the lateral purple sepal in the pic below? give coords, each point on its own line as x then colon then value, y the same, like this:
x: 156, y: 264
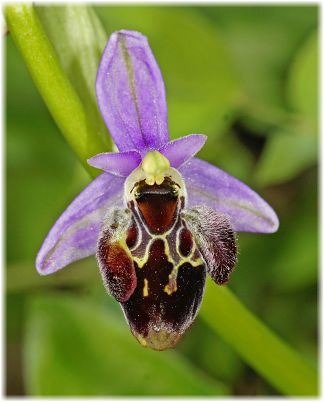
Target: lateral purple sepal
x: 131, y: 94
x: 210, y: 186
x: 182, y: 149
x: 116, y: 163
x: 74, y: 235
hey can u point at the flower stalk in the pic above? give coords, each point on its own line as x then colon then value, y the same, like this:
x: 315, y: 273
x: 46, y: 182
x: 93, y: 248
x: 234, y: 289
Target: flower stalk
x: 57, y: 91
x: 258, y: 346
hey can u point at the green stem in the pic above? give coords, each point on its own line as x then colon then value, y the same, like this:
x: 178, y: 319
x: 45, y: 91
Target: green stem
x: 53, y: 84
x: 256, y: 344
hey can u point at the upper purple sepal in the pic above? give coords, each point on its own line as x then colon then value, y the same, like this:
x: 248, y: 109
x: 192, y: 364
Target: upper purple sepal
x: 131, y: 94
x: 210, y: 186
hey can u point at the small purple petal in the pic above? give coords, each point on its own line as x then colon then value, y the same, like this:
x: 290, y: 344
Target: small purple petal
x: 130, y: 93
x: 116, y: 163
x: 210, y: 186
x: 179, y: 151
x: 74, y: 235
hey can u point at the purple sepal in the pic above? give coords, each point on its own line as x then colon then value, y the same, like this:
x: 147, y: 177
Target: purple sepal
x: 179, y: 151
x: 74, y: 235
x: 131, y: 94
x: 116, y: 163
x: 210, y: 186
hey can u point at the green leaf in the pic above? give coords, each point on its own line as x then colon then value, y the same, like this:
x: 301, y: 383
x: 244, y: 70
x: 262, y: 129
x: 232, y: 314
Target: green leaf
x: 303, y: 85
x: 292, y: 149
x: 256, y: 344
x: 201, y: 83
x: 286, y: 154
x: 72, y: 348
x: 78, y: 38
x: 57, y: 91
x: 296, y: 264
x: 262, y: 40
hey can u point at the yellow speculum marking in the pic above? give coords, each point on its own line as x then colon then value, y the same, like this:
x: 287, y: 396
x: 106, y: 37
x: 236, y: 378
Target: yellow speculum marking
x: 145, y: 289
x: 141, y: 261
x: 171, y: 287
x: 155, y: 165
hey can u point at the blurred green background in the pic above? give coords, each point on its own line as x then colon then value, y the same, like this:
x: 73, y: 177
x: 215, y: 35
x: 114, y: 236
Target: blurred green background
x: 247, y: 76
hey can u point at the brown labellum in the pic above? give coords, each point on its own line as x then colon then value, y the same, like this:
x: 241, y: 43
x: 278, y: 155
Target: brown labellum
x: 157, y: 205
x: 158, y: 319
x: 154, y: 256
x: 215, y: 239
x: 117, y: 269
x: 115, y: 261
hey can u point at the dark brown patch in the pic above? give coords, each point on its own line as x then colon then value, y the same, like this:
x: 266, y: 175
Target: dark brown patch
x: 132, y: 235
x: 117, y: 270
x: 157, y: 204
x: 186, y: 243
x: 160, y: 311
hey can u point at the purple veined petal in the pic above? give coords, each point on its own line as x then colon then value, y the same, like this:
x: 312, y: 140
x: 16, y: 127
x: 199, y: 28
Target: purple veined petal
x: 210, y: 186
x: 179, y: 151
x: 74, y: 235
x: 131, y: 94
x: 116, y: 163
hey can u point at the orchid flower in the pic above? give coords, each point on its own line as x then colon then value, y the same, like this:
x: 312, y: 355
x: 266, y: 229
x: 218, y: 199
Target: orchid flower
x: 158, y: 219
